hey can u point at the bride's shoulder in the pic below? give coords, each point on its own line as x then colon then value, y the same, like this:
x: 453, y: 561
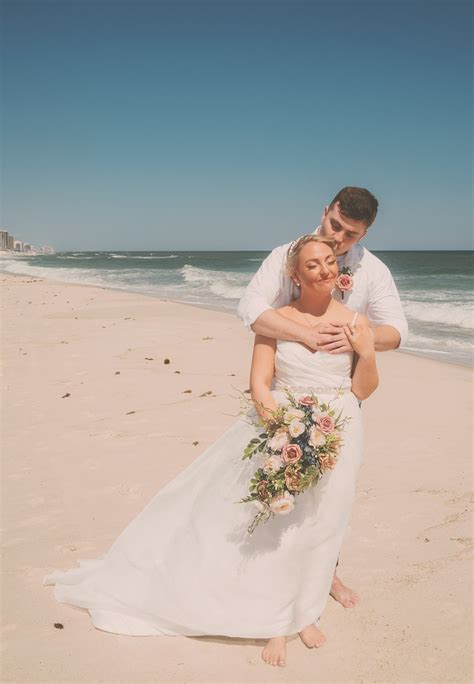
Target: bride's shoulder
x: 288, y: 312
x: 346, y: 315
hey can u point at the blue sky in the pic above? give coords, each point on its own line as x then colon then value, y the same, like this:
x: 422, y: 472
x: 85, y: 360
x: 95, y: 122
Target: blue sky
x: 229, y: 125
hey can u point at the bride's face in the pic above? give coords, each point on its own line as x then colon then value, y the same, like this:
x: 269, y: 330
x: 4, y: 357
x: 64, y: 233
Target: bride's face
x: 316, y: 268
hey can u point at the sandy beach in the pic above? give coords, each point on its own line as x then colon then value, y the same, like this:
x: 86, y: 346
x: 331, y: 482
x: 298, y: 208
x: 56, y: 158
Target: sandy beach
x: 92, y: 418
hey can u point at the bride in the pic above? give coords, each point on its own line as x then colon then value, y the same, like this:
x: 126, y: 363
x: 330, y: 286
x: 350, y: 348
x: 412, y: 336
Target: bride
x: 186, y: 564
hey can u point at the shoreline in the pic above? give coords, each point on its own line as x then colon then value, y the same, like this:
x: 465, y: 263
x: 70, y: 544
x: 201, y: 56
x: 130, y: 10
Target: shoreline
x: 155, y: 297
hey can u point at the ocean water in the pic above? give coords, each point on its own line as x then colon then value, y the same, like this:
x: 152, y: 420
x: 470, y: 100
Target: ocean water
x: 435, y: 287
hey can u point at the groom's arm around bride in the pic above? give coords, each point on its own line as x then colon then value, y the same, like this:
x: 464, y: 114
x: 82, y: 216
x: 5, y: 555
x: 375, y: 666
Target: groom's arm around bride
x: 369, y: 289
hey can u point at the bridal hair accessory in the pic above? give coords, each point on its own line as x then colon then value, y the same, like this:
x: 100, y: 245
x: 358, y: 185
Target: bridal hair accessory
x: 301, y: 440
x: 309, y: 237
x: 295, y: 244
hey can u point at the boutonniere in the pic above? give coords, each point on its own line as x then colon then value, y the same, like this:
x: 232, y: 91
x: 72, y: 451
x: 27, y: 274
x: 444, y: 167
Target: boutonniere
x: 344, y: 281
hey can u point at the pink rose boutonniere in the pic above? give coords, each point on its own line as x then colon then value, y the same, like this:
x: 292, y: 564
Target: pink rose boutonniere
x: 344, y: 281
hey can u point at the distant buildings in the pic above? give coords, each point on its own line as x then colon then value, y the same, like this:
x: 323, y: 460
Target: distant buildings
x: 8, y: 243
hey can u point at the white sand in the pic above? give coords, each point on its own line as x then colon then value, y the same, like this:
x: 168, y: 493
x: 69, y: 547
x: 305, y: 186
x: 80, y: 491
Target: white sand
x: 77, y: 469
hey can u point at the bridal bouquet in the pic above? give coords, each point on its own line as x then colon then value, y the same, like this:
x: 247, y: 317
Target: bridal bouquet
x: 301, y: 440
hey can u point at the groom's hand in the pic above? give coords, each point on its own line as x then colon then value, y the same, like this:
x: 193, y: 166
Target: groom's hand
x: 330, y: 337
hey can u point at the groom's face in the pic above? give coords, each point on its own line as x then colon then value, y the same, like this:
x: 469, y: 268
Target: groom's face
x: 343, y: 230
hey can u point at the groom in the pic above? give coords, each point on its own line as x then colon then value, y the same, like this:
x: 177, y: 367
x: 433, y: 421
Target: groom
x: 369, y: 289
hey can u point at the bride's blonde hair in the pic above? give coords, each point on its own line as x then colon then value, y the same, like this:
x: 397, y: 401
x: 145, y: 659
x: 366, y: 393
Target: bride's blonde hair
x: 297, y: 246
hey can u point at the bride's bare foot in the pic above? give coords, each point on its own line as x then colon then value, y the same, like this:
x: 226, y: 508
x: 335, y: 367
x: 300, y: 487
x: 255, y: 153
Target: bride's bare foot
x: 312, y: 637
x: 274, y: 652
x: 345, y: 596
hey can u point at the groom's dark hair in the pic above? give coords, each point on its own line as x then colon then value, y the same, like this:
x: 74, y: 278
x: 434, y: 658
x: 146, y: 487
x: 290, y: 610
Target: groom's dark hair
x: 357, y: 203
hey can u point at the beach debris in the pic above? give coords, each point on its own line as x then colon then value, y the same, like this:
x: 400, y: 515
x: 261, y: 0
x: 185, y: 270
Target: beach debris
x: 207, y: 338
x: 166, y: 361
x: 117, y: 372
x: 178, y: 372
x: 65, y: 396
x: 128, y: 319
x: 195, y: 443
x: 206, y: 394
x: 59, y: 625
x: 186, y: 392
x: 232, y: 375
x: 149, y: 358
x: 426, y: 539
x: 64, y: 342
x: 247, y: 391
x: 129, y: 413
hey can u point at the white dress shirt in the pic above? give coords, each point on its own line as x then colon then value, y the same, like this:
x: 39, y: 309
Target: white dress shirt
x: 374, y: 292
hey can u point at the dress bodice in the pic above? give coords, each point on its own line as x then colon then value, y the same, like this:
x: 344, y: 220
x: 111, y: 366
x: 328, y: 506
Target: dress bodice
x: 297, y: 366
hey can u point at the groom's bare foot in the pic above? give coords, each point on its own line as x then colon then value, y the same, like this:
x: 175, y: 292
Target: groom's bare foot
x: 274, y: 652
x: 345, y: 596
x: 312, y: 637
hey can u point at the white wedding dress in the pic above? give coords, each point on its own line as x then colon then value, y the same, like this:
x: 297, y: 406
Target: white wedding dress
x: 186, y: 564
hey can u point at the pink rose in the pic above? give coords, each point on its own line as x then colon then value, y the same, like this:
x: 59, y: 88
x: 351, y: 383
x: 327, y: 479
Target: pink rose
x: 325, y: 423
x: 344, y: 282
x: 306, y: 401
x: 292, y: 453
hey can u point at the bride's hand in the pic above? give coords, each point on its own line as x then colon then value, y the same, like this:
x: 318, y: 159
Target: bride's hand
x: 361, y: 338
x: 329, y: 337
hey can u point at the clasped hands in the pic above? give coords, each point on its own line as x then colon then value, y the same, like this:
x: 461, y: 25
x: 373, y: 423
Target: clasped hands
x: 337, y: 337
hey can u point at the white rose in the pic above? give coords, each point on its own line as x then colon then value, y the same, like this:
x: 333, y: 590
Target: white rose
x: 279, y: 440
x: 316, y: 437
x: 296, y: 428
x: 293, y: 413
x: 283, y: 504
x: 272, y: 465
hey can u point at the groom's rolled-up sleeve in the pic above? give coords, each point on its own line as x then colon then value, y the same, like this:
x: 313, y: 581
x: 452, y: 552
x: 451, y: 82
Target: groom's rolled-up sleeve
x: 264, y: 288
x: 385, y: 307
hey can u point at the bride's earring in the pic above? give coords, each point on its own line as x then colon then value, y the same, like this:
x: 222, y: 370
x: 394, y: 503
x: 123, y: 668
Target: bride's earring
x: 297, y: 284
